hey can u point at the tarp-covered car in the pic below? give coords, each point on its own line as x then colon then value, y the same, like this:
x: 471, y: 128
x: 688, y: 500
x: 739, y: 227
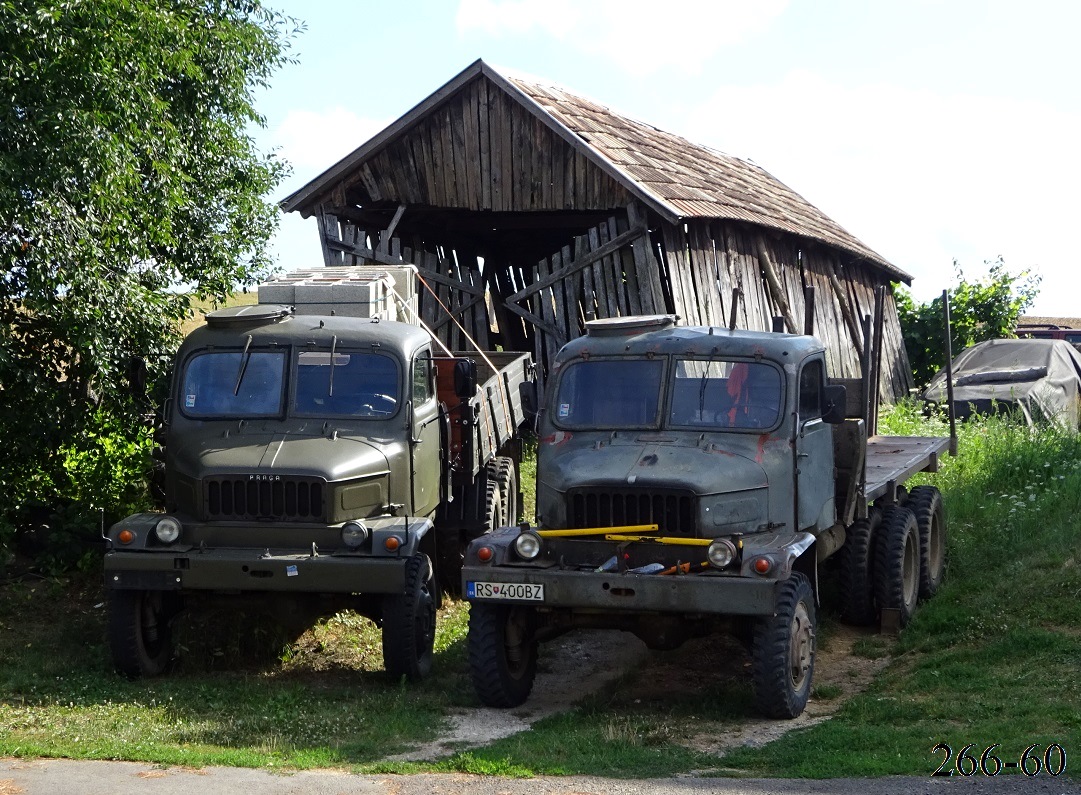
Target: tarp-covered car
x: 1039, y: 379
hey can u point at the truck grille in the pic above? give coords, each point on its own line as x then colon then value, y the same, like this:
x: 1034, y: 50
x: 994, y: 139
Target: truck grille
x: 244, y: 497
x: 674, y: 511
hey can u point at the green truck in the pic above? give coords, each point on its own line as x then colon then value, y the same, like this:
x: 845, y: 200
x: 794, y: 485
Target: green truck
x: 692, y: 480
x: 313, y: 463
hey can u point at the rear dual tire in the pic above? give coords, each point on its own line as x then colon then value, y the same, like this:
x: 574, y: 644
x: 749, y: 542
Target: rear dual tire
x: 926, y: 503
x: 897, y: 563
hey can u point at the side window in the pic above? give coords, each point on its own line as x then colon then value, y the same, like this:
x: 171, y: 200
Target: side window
x: 811, y: 382
x: 422, y: 378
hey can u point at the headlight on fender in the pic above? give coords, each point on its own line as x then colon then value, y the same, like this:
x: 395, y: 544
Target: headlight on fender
x: 354, y: 534
x: 527, y: 545
x: 167, y: 529
x: 721, y: 553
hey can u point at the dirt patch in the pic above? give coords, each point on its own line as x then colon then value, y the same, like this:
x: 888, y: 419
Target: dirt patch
x: 715, y: 667
x: 570, y: 669
x: 839, y: 675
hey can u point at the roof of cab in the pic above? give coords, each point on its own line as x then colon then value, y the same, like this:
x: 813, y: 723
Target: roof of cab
x: 351, y: 332
x: 653, y: 335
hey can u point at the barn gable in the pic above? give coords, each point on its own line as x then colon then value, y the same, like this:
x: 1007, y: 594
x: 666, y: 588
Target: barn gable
x: 530, y: 210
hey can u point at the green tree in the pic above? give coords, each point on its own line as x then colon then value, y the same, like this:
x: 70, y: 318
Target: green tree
x: 126, y: 171
x: 985, y: 309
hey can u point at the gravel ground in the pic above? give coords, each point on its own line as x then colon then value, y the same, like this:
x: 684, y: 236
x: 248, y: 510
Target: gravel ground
x: 65, y: 777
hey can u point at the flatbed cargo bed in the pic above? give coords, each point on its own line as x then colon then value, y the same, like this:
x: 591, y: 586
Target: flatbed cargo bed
x: 894, y: 459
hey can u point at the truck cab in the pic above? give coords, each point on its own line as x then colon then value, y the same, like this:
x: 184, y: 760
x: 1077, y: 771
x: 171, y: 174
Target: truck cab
x: 707, y: 432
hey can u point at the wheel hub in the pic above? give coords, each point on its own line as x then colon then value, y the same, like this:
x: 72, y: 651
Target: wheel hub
x: 801, y: 646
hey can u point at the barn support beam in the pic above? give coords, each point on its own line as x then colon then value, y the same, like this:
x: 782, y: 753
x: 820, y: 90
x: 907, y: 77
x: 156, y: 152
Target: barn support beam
x: 775, y: 288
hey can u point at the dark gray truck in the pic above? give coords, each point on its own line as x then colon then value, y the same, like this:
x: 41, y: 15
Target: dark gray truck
x: 317, y: 463
x: 691, y: 480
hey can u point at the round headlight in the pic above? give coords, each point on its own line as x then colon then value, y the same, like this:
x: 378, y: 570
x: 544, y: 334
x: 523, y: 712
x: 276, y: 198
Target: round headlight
x: 527, y: 545
x: 354, y: 534
x: 167, y: 529
x: 721, y: 553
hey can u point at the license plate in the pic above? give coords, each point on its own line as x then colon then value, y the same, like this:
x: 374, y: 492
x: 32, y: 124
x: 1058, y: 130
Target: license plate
x: 511, y: 591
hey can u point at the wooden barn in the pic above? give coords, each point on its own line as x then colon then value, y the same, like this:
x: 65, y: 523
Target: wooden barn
x: 530, y: 210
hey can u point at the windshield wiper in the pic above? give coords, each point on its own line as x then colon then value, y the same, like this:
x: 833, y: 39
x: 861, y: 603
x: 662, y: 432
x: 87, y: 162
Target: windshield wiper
x: 333, y: 349
x: 243, y: 366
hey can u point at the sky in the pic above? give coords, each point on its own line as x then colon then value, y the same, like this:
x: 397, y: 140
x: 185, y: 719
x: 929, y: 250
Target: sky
x: 934, y: 131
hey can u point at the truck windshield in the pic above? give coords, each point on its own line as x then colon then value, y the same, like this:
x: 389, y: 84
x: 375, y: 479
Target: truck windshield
x: 346, y: 385
x: 233, y: 384
x: 609, y: 394
x: 725, y: 394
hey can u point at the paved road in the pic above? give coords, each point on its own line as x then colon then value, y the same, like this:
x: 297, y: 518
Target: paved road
x: 65, y: 777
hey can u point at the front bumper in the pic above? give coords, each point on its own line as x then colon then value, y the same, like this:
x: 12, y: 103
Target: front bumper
x: 282, y: 567
x: 707, y: 594
x: 249, y: 570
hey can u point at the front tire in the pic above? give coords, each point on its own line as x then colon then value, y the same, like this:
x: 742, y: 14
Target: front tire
x: 409, y: 624
x: 502, y: 653
x: 140, y: 635
x: 783, y: 651
x: 897, y: 562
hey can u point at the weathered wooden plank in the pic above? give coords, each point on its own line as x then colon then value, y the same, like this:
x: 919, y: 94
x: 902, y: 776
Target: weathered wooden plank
x: 429, y: 309
x: 597, y: 272
x: 703, y: 285
x: 495, y: 145
x: 702, y: 288
x: 569, y: 177
x: 485, y: 142
x: 544, y: 309
x: 518, y: 155
x: 446, y: 142
x: 450, y: 281
x: 646, y: 266
x: 675, y: 272
x: 611, y: 301
x: 470, y: 148
x: 630, y: 275
x: 558, y: 166
x: 575, y: 294
x: 581, y: 182
x: 482, y: 322
x: 599, y: 251
x: 434, y: 168
x: 614, y: 266
x: 558, y: 298
x: 462, y: 167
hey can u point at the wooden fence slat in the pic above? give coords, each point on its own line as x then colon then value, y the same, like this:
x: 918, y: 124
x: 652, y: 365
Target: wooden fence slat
x: 614, y: 266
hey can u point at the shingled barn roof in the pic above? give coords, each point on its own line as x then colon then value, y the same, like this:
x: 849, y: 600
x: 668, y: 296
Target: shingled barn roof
x: 677, y: 179
x: 693, y: 180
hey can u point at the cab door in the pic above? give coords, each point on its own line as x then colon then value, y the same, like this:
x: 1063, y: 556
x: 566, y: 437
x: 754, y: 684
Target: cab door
x: 426, y: 455
x: 815, y: 506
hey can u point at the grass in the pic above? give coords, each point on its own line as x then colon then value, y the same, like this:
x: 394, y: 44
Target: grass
x: 993, y: 659
x: 320, y: 701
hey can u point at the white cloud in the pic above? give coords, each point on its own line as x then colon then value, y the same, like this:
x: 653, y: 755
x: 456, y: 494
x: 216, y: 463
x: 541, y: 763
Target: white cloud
x: 314, y: 141
x: 637, y: 35
x: 920, y: 177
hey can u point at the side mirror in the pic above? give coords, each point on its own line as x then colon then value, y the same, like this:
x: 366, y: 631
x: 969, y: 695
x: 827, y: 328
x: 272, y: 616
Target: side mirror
x: 465, y: 379
x: 836, y: 402
x: 527, y: 390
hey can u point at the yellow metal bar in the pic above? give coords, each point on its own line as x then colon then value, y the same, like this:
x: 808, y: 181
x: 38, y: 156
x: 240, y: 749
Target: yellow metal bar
x: 673, y: 541
x: 596, y: 531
